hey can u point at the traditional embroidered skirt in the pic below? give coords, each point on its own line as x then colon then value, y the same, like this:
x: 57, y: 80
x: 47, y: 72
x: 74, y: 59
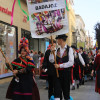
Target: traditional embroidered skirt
x: 25, y: 89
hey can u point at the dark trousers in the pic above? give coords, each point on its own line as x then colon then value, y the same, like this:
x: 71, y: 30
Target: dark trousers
x: 51, y: 85
x: 82, y: 71
x: 62, y: 84
x: 76, y: 72
x: 52, y: 79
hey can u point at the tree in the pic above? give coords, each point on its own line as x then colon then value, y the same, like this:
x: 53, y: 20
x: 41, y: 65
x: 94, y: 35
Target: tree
x: 97, y: 33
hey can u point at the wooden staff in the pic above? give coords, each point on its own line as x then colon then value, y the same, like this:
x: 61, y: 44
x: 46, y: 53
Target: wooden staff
x: 11, y: 68
x: 55, y: 58
x: 6, y: 59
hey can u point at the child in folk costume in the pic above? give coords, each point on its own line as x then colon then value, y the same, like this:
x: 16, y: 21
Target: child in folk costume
x: 51, y: 71
x: 23, y: 67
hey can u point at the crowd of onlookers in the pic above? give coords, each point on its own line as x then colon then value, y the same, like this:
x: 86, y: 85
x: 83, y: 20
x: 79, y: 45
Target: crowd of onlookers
x: 38, y: 58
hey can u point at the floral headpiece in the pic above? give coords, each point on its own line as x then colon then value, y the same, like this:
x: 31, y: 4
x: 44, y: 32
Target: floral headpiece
x: 24, y: 43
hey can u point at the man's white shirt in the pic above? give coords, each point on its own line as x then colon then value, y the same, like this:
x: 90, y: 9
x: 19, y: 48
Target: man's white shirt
x: 80, y: 58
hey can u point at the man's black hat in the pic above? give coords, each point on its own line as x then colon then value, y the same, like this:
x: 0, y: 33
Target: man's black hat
x: 81, y: 48
x: 74, y: 47
x: 61, y: 36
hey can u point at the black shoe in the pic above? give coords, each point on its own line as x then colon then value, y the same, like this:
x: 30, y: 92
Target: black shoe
x: 46, y: 88
x: 77, y: 86
x: 73, y: 87
x: 83, y: 81
x: 80, y: 83
x: 91, y: 79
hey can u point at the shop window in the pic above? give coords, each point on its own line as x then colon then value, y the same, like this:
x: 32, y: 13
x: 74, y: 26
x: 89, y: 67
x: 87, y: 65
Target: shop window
x: 8, y: 45
x: 27, y: 34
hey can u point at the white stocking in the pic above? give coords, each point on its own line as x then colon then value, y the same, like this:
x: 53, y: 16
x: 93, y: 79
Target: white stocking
x: 57, y: 98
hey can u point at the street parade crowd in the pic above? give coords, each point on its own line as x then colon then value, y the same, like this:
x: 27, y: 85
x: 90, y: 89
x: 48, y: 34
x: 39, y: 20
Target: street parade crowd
x: 63, y: 67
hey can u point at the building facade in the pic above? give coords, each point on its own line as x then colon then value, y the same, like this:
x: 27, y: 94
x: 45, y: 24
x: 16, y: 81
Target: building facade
x: 10, y: 35
x: 72, y: 22
x: 80, y: 32
x: 89, y: 41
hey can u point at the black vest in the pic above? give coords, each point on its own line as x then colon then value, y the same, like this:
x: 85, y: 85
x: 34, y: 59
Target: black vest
x: 65, y: 57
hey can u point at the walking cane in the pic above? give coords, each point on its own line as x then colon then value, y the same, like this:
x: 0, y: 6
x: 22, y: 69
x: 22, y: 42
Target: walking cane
x: 16, y: 79
x: 55, y: 58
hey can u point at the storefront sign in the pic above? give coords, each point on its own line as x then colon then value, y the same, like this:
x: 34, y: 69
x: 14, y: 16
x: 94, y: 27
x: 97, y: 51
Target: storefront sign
x: 47, y: 18
x: 5, y: 10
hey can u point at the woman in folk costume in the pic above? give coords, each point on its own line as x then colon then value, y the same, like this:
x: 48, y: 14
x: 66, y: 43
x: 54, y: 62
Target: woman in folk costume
x: 97, y: 60
x: 25, y: 87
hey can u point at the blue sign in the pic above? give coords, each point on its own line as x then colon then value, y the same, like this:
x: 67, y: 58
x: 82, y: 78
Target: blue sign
x: 47, y: 44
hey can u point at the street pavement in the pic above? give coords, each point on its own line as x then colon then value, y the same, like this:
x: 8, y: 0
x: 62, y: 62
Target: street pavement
x: 85, y: 92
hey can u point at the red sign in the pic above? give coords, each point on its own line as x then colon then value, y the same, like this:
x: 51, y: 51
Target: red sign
x: 5, y: 10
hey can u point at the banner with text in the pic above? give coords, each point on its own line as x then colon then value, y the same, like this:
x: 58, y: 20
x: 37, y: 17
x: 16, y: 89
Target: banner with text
x: 47, y: 17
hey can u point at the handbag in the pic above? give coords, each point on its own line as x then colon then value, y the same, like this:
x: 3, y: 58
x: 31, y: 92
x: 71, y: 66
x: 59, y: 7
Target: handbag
x: 43, y: 75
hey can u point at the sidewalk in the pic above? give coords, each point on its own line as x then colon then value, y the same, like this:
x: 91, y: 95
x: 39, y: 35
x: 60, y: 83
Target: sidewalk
x: 5, y: 80
x: 85, y: 92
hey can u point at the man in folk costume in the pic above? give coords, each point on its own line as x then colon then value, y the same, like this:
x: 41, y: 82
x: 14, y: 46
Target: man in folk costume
x: 23, y: 87
x: 78, y: 60
x: 65, y: 60
x: 84, y: 68
x: 97, y: 60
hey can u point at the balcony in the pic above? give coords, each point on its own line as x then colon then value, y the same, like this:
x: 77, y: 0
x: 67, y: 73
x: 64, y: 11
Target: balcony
x: 82, y: 30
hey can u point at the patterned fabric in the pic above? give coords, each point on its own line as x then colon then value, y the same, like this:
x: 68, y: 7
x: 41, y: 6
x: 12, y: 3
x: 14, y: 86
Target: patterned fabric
x: 22, y: 63
x: 64, y: 54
